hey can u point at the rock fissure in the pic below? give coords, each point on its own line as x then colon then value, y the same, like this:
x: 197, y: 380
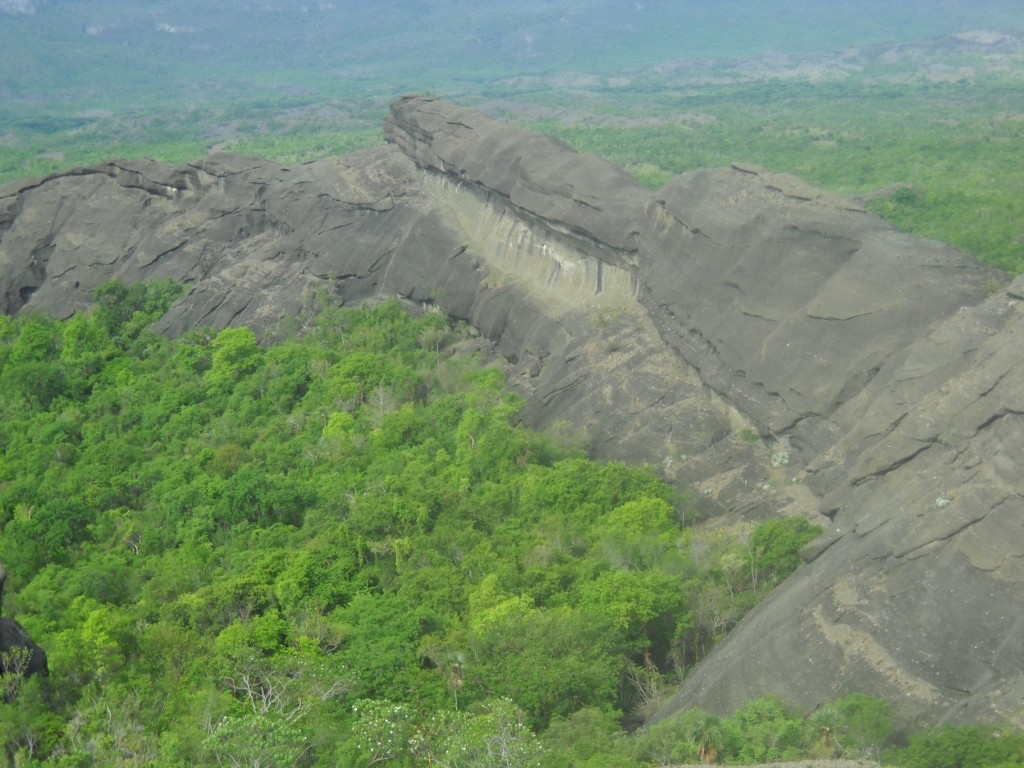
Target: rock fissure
x: 875, y: 474
x: 843, y: 319
x: 146, y: 261
x: 649, y: 406
x: 944, y: 537
x: 756, y: 316
x: 559, y: 391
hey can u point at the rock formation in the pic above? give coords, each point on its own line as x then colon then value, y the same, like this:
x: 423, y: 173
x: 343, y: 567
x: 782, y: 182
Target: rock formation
x: 881, y: 371
x: 19, y: 653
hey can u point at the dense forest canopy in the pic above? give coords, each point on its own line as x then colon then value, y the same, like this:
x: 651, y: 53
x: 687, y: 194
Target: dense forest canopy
x: 339, y: 548
x: 252, y: 536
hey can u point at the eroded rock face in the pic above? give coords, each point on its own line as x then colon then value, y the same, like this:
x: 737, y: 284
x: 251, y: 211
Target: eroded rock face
x: 601, y: 205
x: 791, y: 299
x: 19, y: 653
x: 659, y: 326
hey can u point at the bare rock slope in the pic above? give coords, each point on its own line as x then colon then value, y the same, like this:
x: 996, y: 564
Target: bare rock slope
x: 663, y: 327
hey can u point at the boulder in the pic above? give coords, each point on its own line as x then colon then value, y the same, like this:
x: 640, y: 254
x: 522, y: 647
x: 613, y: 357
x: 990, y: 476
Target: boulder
x: 19, y: 653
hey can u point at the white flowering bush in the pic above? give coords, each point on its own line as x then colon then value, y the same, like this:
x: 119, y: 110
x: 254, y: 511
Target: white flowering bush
x: 496, y: 737
x: 493, y: 736
x: 383, y: 730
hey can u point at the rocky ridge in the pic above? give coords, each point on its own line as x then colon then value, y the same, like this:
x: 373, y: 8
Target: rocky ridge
x: 881, y: 371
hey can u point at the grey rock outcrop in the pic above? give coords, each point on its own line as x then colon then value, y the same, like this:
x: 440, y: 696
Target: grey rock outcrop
x: 794, y: 299
x: 19, y: 653
x: 539, y: 177
x: 914, y: 592
x: 661, y: 326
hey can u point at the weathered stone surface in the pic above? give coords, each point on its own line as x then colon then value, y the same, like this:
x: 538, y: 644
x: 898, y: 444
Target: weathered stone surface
x: 536, y: 175
x: 19, y: 653
x: 790, y: 301
x: 657, y: 327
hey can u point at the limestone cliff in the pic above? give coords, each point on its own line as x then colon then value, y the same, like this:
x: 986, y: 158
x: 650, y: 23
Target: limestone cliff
x: 661, y: 326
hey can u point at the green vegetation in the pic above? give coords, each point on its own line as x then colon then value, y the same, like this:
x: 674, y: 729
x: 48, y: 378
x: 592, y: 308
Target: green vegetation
x: 748, y: 435
x: 937, y: 160
x: 769, y: 730
x: 339, y: 548
x: 227, y: 547
x: 968, y: 746
x: 933, y: 159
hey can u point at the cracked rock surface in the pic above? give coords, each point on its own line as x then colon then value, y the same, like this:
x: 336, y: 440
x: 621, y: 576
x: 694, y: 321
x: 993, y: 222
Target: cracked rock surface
x: 662, y: 327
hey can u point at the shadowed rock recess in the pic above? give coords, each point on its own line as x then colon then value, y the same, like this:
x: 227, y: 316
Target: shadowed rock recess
x: 884, y: 380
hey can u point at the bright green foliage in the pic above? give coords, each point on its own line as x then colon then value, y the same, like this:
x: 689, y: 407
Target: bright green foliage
x: 590, y: 738
x: 256, y: 740
x: 551, y: 661
x: 384, y: 731
x: 693, y: 737
x: 494, y: 735
x: 969, y: 746
x: 216, y: 531
x: 770, y: 730
x: 929, y: 170
x: 224, y: 545
x: 765, y: 730
x: 775, y: 546
x: 235, y: 354
x: 863, y: 723
x: 125, y: 311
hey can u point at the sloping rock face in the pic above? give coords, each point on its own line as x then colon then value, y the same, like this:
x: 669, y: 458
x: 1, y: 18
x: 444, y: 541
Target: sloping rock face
x: 914, y: 592
x: 661, y: 327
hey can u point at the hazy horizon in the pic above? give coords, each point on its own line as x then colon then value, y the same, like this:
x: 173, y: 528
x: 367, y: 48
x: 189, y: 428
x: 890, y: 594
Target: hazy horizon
x: 73, y: 51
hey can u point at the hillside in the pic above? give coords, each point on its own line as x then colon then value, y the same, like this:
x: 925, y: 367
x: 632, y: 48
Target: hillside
x: 771, y: 344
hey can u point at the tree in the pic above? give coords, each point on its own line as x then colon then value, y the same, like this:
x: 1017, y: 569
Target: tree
x: 384, y: 731
x: 14, y: 664
x: 823, y: 733
x: 589, y: 737
x: 707, y: 735
x: 864, y: 723
x: 549, y: 661
x: 124, y: 311
x: 28, y: 729
x: 38, y: 382
x: 86, y: 345
x: 764, y: 730
x: 963, y: 746
x: 235, y: 353
x: 287, y: 686
x: 493, y: 736
x: 36, y: 341
x: 256, y: 741
x: 449, y: 660
x: 775, y: 546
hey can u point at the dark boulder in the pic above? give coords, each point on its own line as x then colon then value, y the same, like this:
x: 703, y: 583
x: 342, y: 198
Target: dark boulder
x: 19, y: 653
